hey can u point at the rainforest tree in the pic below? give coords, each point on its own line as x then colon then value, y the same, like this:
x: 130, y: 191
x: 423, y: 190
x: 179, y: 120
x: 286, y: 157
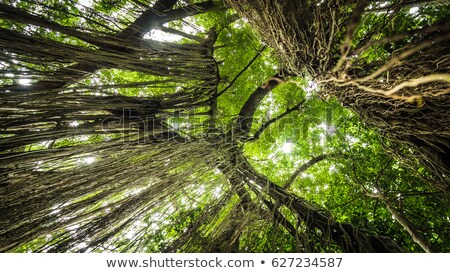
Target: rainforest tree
x: 244, y: 126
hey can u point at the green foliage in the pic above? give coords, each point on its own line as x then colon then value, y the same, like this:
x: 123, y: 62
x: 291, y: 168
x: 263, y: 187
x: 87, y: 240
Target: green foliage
x: 360, y: 163
x: 240, y: 41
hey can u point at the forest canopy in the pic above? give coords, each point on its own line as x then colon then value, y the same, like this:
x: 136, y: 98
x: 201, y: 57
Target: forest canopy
x: 224, y: 126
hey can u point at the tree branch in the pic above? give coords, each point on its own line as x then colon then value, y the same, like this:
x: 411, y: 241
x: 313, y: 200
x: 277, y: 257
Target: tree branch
x: 190, y: 10
x: 408, y: 226
x: 268, y: 123
x: 245, y: 117
x: 409, y: 4
x: 181, y: 33
x: 149, y: 19
x: 307, y: 165
x: 242, y: 71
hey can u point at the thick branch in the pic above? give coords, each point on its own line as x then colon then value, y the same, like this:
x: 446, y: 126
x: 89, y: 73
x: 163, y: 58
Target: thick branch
x: 409, y: 227
x: 148, y: 20
x: 245, y: 117
x: 182, y: 34
x: 191, y: 10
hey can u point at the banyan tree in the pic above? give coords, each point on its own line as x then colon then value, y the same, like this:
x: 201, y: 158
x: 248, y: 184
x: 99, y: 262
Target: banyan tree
x: 244, y: 126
